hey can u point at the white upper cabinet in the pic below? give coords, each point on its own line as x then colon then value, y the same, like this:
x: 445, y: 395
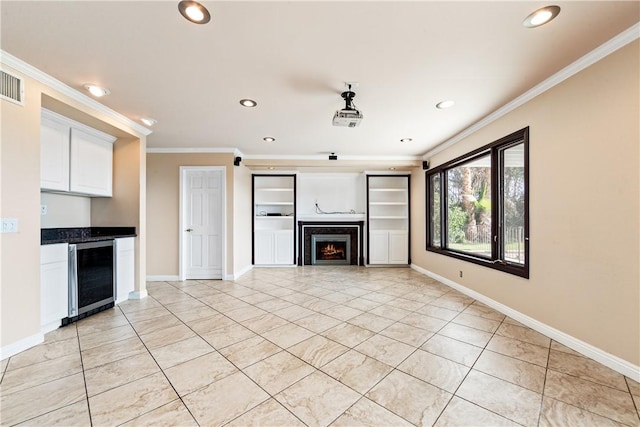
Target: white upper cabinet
x: 74, y: 158
x: 54, y: 155
x: 91, y: 164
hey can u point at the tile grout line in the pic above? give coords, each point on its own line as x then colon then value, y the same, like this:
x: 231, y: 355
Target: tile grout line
x: 159, y: 367
x: 454, y: 394
x: 222, y: 355
x: 339, y: 287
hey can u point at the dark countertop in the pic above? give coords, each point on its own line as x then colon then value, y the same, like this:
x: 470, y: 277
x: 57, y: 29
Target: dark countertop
x: 50, y: 236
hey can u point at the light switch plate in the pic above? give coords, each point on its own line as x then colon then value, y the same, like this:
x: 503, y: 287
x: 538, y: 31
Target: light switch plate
x: 9, y: 225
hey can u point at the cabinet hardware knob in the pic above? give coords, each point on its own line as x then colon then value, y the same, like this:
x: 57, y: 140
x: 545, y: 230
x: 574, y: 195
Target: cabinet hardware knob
x: 189, y: 230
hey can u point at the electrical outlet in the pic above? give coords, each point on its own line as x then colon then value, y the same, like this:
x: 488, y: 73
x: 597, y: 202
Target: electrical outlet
x: 460, y: 273
x: 43, y: 209
x: 9, y: 225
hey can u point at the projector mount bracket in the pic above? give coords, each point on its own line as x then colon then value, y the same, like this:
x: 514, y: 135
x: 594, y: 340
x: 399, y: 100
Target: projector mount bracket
x: 348, y: 96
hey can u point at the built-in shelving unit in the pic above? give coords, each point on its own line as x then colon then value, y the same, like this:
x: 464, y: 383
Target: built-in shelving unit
x: 388, y: 219
x: 274, y: 218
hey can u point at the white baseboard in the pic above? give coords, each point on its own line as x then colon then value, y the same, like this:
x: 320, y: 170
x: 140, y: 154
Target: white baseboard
x: 239, y: 273
x: 614, y: 362
x: 50, y: 327
x: 21, y: 345
x: 276, y: 265
x: 175, y: 278
x: 138, y: 294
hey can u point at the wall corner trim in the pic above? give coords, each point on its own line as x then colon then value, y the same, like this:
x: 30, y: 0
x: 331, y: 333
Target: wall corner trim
x: 36, y: 74
x: 238, y: 274
x: 21, y: 345
x: 614, y: 362
x: 607, y: 48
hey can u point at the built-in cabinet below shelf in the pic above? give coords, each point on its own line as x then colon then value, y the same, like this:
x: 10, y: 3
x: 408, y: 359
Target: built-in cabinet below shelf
x: 74, y: 158
x: 274, y: 209
x: 388, y: 219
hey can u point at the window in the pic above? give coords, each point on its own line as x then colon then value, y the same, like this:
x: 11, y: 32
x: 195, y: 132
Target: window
x: 478, y: 206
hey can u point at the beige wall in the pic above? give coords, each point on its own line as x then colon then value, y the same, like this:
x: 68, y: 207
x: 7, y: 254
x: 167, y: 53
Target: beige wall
x: 20, y: 198
x: 241, y: 219
x: 20, y: 195
x: 584, y: 208
x: 163, y: 207
x: 65, y: 211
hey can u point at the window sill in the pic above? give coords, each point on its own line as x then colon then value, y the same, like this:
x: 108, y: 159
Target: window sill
x: 517, y: 270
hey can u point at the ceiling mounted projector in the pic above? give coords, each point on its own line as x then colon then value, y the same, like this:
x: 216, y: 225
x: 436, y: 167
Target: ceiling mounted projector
x: 349, y: 116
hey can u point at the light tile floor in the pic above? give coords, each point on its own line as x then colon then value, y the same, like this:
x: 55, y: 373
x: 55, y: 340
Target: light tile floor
x: 317, y: 346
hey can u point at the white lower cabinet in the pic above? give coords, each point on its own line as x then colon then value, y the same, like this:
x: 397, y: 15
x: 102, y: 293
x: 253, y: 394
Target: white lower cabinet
x: 125, y: 268
x: 273, y: 247
x: 54, y: 285
x: 398, y: 247
x: 388, y: 247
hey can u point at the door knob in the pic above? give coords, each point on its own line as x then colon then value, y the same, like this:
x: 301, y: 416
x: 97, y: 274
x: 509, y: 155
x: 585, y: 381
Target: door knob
x: 189, y: 230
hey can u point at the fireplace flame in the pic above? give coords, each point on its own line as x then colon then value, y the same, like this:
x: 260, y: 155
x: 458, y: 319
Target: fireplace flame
x: 330, y: 250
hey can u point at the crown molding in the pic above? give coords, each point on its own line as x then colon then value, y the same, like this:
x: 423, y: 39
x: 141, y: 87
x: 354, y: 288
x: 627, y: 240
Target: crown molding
x: 34, y: 73
x: 185, y: 150
x: 324, y: 157
x: 607, y: 48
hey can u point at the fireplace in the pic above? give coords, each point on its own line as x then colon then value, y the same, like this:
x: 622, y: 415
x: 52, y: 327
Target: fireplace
x: 330, y: 249
x: 349, y: 231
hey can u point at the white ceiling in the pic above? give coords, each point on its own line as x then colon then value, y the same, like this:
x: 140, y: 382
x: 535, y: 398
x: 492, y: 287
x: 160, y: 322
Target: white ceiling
x: 293, y: 58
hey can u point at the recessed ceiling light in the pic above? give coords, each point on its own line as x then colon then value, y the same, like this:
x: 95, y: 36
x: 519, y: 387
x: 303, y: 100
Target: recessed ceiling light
x: 444, y: 104
x: 541, y: 16
x: 271, y: 168
x: 148, y: 121
x: 248, y: 103
x: 194, y: 12
x: 96, y: 90
x: 406, y: 140
x: 392, y: 168
x: 268, y: 139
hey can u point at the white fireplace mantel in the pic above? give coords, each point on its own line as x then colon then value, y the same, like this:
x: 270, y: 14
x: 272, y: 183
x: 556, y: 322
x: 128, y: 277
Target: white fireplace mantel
x: 331, y: 217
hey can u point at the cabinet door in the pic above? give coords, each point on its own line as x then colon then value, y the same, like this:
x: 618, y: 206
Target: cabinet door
x: 91, y: 164
x: 54, y: 156
x: 284, y: 247
x: 264, y: 247
x: 54, y: 285
x: 378, y: 247
x: 125, y: 268
x: 398, y: 247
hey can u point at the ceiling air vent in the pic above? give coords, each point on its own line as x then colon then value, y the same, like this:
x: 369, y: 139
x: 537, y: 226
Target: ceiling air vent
x: 11, y: 88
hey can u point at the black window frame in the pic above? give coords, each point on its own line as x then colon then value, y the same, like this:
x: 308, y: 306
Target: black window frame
x: 497, y: 260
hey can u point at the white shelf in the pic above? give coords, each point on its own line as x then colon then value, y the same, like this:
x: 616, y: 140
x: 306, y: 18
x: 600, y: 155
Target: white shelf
x: 388, y: 215
x: 388, y: 203
x: 274, y: 203
x: 272, y: 217
x: 273, y: 220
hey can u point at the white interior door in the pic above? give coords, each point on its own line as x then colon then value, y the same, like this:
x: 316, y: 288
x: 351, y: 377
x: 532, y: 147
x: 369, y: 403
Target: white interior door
x: 202, y: 224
